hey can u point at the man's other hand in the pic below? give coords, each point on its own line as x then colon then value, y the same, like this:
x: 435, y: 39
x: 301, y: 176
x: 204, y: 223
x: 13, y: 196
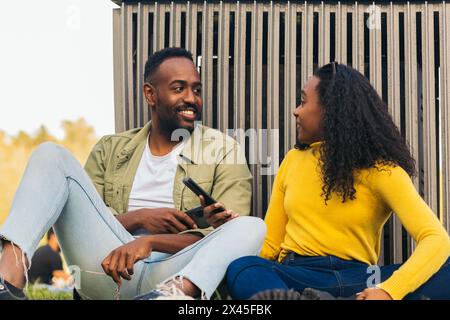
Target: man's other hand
x: 120, y: 262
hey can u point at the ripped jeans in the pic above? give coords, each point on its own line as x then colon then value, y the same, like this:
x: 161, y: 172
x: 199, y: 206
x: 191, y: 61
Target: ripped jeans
x: 56, y: 191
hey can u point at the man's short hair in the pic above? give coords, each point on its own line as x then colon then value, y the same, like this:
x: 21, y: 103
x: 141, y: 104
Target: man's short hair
x: 50, y: 232
x: 157, y: 58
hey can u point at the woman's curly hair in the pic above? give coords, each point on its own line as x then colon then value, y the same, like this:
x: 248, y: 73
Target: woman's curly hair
x: 358, y: 130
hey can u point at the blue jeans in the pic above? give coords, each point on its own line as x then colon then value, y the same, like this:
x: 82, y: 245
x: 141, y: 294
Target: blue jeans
x: 55, y: 190
x: 344, y: 278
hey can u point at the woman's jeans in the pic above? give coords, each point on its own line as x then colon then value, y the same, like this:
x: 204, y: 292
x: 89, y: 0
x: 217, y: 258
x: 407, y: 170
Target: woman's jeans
x: 341, y: 278
x: 55, y: 190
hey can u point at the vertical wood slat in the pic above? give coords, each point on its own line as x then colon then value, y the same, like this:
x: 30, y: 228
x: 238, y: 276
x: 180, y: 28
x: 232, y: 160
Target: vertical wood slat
x: 374, y: 26
x: 358, y: 37
x: 175, y: 25
x: 239, y: 66
x: 411, y: 103
x: 375, y: 53
x: 429, y: 107
x: 307, y: 41
x: 223, y: 66
x: 393, y: 62
x: 324, y: 34
x: 191, y: 29
x: 341, y: 33
x: 207, y: 63
x: 127, y: 47
x: 393, y: 52
x: 119, y: 79
x: 142, y: 55
x: 290, y: 75
x: 159, y: 26
x: 256, y: 101
x: 444, y: 23
x: 321, y: 37
x: 412, y: 133
x: 273, y: 90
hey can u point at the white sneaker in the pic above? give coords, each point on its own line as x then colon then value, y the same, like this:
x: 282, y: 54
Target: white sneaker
x: 170, y: 290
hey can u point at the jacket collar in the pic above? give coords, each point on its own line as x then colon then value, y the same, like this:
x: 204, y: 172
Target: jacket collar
x: 191, y: 153
x: 139, y: 138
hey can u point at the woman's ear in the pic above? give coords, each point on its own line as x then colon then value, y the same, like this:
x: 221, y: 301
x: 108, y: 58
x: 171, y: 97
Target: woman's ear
x: 150, y: 94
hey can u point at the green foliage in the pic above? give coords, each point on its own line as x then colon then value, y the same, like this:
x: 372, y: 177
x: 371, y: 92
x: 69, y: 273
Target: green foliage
x: 34, y: 293
x: 79, y: 138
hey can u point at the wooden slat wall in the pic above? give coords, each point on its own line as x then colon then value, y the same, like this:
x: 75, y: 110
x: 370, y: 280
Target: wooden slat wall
x: 428, y: 137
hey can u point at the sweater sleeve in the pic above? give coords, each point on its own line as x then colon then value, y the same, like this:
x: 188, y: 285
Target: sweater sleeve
x: 276, y: 218
x: 397, y: 191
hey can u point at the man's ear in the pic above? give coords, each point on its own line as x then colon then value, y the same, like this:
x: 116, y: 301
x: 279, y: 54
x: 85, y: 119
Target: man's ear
x: 150, y: 94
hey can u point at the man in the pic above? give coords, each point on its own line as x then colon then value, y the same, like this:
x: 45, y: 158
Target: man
x: 137, y: 188
x: 47, y: 263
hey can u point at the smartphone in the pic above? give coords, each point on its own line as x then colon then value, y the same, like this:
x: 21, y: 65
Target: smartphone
x: 195, y: 188
x: 197, y: 215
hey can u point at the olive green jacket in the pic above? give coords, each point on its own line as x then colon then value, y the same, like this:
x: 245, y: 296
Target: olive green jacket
x: 214, y: 160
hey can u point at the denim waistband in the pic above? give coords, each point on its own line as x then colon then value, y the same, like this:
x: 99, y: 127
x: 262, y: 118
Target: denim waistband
x: 328, y: 262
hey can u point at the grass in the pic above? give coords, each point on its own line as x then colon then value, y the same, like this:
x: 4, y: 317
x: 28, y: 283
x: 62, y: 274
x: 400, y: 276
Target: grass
x: 34, y: 293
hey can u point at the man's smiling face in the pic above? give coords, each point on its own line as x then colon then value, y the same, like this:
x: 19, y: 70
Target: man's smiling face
x: 177, y: 98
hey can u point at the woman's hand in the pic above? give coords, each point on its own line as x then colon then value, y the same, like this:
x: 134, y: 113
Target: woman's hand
x: 373, y: 294
x: 120, y: 262
x: 216, y: 219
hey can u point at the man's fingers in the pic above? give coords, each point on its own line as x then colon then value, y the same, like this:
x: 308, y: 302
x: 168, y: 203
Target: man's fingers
x: 186, y: 220
x: 178, y: 225
x: 215, y: 206
x: 172, y: 229
x: 105, y: 264
x: 202, y: 201
x: 221, y: 216
x: 122, y: 265
x: 178, y: 220
x: 113, y: 268
x: 360, y: 296
x: 233, y: 216
x: 130, y: 264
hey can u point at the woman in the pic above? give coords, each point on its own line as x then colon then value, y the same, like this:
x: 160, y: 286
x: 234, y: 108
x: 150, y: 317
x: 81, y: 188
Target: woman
x: 332, y: 195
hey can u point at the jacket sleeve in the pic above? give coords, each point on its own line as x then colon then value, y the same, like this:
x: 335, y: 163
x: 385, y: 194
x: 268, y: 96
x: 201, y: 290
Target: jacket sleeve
x: 95, y: 168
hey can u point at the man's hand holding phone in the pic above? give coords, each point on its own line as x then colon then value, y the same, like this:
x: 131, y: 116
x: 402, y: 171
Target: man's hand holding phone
x: 213, y: 216
x: 214, y: 212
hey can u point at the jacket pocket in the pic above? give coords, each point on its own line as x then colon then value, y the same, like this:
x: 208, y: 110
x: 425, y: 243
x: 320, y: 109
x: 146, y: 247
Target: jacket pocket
x: 189, y: 199
x: 108, y: 194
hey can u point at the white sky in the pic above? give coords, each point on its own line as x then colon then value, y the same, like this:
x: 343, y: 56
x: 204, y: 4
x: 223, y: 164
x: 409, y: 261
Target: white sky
x: 56, y: 63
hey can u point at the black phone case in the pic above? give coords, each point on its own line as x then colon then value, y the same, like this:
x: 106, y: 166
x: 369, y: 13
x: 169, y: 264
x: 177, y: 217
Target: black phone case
x: 195, y: 188
x: 197, y: 215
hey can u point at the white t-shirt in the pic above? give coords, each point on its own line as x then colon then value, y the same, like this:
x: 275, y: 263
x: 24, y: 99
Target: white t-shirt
x: 153, y: 183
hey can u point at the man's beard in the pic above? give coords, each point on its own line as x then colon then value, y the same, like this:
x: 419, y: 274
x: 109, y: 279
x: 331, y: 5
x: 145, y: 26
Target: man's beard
x: 168, y: 126
x: 169, y: 122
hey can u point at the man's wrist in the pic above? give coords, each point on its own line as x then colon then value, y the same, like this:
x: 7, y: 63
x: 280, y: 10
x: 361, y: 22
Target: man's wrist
x: 150, y: 240
x: 131, y: 220
x: 136, y: 219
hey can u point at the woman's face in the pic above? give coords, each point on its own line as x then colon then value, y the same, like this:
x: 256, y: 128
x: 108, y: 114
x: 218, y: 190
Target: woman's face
x: 309, y: 114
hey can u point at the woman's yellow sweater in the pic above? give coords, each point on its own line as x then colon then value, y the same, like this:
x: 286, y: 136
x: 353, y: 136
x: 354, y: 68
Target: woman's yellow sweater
x: 298, y: 219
